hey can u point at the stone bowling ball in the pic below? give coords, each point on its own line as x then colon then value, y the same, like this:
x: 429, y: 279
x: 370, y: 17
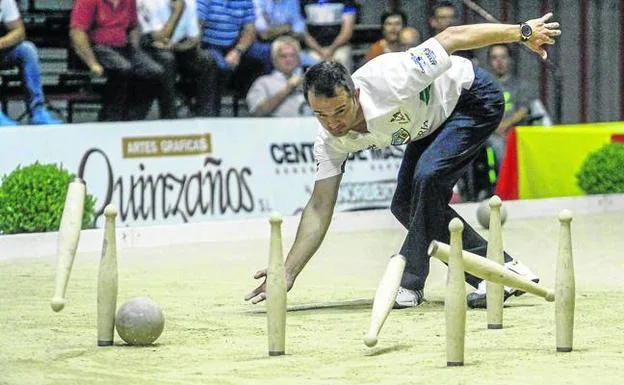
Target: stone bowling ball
x: 483, y: 214
x: 140, y: 321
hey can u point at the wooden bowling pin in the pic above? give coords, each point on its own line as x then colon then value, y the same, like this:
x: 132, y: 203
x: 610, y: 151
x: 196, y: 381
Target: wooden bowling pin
x: 491, y: 271
x: 495, y: 291
x: 565, y: 286
x: 68, y: 237
x: 384, y: 297
x: 455, y: 298
x: 107, y: 281
x: 276, y: 290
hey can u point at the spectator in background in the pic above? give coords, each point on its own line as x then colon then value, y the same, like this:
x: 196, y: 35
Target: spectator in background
x: 15, y: 51
x: 392, y: 22
x: 444, y: 15
x: 280, y: 93
x: 276, y: 18
x: 329, y: 26
x: 171, y: 36
x: 515, y: 95
x: 409, y: 37
x: 229, y: 35
x: 105, y: 35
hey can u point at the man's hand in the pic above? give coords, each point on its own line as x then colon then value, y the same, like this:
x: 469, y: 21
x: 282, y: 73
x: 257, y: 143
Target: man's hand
x: 96, y: 69
x: 259, y: 293
x: 543, y: 33
x: 294, y: 82
x: 162, y: 44
x: 233, y: 58
x: 327, y: 53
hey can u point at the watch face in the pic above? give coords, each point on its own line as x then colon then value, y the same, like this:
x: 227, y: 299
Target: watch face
x: 526, y: 31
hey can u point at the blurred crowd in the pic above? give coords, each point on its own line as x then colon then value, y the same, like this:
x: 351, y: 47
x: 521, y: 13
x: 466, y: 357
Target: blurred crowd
x: 155, y: 50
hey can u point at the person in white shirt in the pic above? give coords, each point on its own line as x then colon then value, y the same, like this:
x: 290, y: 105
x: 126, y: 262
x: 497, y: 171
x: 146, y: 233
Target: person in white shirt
x: 280, y: 94
x: 170, y: 34
x: 443, y: 107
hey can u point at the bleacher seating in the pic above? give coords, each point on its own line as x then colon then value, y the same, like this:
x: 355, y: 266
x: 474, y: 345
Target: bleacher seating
x: 68, y: 86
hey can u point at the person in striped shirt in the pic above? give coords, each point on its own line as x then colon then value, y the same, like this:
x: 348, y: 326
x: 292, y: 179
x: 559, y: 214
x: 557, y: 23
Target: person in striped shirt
x: 229, y: 35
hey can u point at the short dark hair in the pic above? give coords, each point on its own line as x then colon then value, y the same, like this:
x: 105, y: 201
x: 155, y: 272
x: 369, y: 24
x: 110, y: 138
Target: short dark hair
x: 506, y: 46
x: 394, y: 12
x: 442, y: 4
x: 323, y: 77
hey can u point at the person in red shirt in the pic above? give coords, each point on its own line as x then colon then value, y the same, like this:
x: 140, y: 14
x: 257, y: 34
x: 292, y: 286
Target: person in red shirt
x: 105, y: 35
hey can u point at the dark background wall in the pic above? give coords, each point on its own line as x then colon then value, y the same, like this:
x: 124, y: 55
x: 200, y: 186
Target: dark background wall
x: 588, y: 55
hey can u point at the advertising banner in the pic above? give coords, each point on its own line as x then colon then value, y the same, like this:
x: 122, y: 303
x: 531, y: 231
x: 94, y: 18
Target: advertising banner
x: 178, y: 171
x: 550, y: 158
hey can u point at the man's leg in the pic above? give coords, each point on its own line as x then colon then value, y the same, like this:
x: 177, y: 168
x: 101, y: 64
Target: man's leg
x: 25, y: 56
x: 117, y: 69
x: 147, y: 79
x: 430, y: 169
x: 167, y: 92
x: 201, y: 66
x: 223, y: 75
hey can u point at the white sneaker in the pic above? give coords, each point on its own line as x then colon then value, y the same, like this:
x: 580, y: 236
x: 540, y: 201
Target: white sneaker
x: 477, y: 299
x: 408, y: 298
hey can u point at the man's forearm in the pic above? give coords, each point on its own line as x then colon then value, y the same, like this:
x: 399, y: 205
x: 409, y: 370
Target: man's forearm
x: 464, y: 37
x: 312, y: 229
x: 248, y: 36
x: 311, y: 42
x: 12, y: 38
x: 346, y: 31
x: 167, y: 30
x: 82, y: 46
x: 274, y: 32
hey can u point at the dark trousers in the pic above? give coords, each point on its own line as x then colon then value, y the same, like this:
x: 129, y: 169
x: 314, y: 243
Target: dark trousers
x: 197, y: 67
x: 253, y: 64
x: 133, y: 79
x: 430, y: 169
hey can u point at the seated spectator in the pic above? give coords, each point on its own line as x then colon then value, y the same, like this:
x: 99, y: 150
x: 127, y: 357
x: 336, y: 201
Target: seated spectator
x: 276, y: 18
x: 280, y: 93
x: 392, y: 23
x: 409, y: 37
x: 105, y: 35
x: 15, y: 51
x: 515, y: 95
x: 329, y: 26
x: 444, y: 15
x: 171, y: 36
x: 229, y: 35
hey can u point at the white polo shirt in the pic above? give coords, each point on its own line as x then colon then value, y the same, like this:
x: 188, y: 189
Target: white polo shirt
x: 154, y: 14
x: 405, y: 96
x: 8, y: 11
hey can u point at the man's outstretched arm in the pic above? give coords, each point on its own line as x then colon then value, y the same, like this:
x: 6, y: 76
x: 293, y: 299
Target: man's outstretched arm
x: 313, y: 226
x: 474, y: 36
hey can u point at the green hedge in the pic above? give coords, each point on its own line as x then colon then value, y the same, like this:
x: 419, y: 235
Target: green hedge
x: 32, y: 199
x: 602, y: 172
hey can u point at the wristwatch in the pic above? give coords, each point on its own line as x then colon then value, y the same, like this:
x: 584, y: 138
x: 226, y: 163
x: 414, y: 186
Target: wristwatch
x: 525, y: 31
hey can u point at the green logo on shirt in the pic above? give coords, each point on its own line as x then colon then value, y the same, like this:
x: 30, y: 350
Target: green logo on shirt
x: 400, y: 137
x: 425, y: 95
